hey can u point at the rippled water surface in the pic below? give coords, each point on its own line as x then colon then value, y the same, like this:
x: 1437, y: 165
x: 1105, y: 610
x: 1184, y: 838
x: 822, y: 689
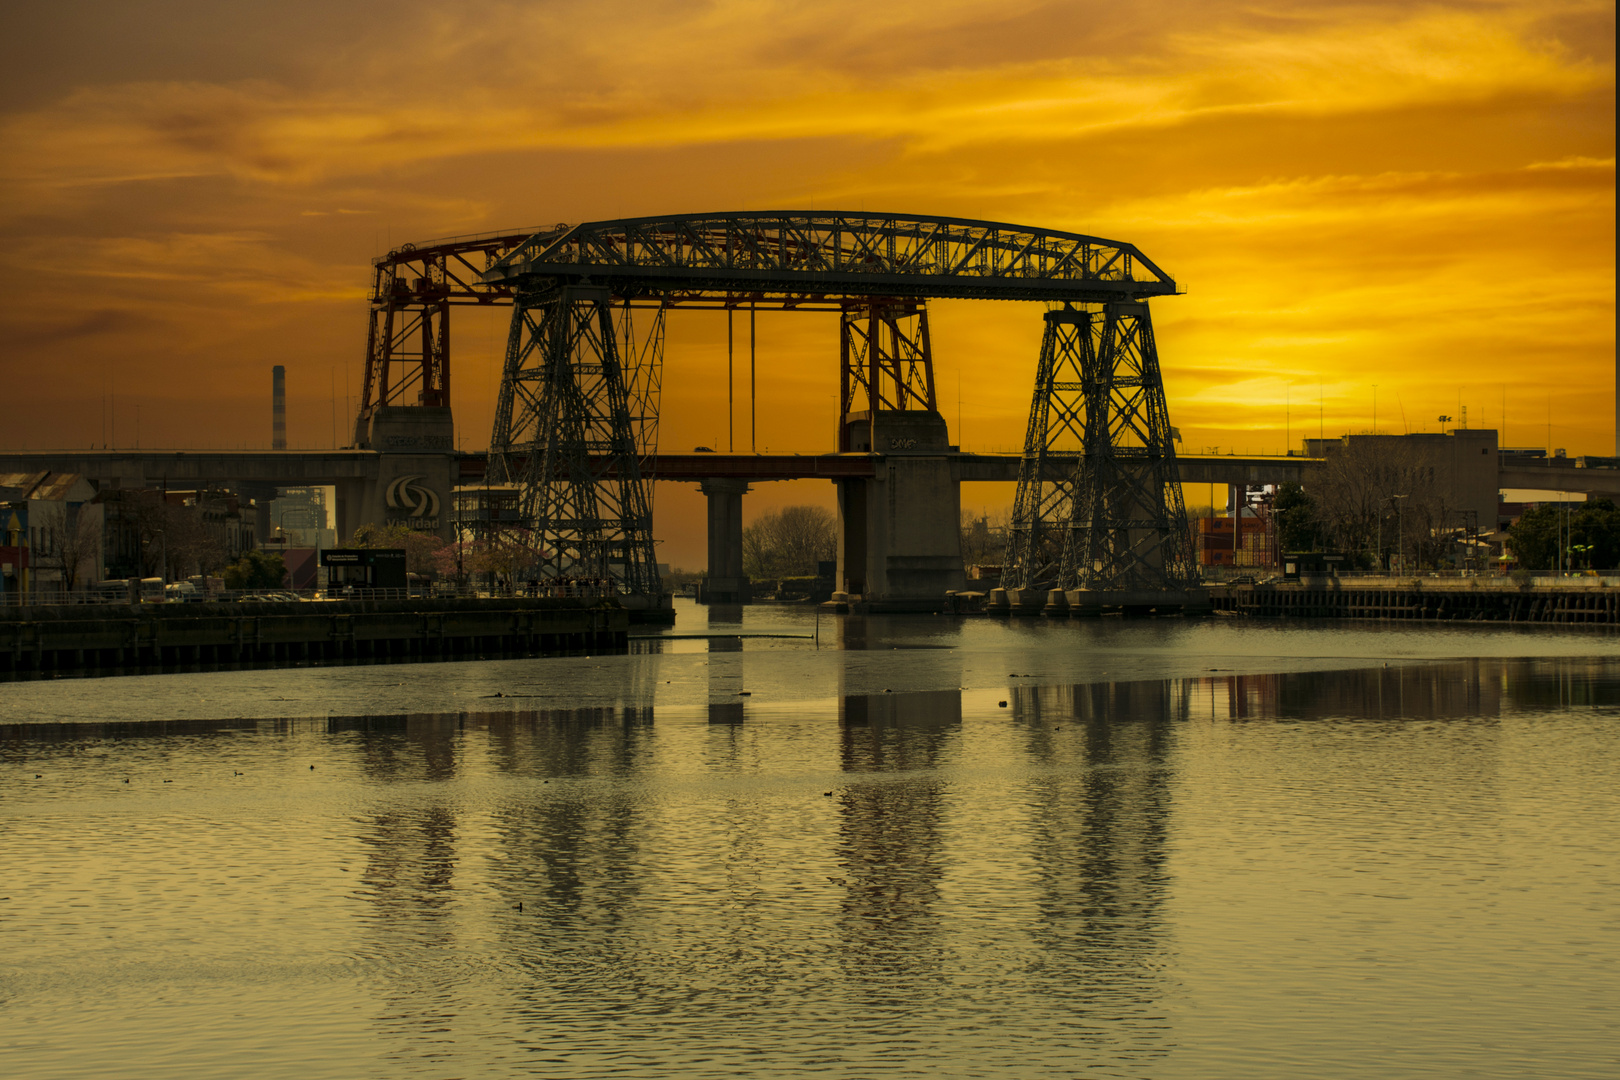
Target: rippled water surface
x: 915, y: 847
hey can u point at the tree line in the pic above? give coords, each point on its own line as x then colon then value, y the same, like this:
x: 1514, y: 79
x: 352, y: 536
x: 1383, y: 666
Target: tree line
x: 789, y: 542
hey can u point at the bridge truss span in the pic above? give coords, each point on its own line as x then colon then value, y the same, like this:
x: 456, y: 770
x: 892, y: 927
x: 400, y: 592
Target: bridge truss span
x: 576, y: 418
x: 413, y: 289
x: 793, y: 257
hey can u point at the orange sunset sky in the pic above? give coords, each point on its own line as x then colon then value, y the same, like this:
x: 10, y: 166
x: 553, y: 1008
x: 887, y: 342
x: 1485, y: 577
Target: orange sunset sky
x: 1408, y: 196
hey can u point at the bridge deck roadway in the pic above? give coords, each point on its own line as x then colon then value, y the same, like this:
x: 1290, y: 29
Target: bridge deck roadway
x: 1564, y: 477
x: 1195, y: 469
x: 295, y: 468
x: 182, y: 468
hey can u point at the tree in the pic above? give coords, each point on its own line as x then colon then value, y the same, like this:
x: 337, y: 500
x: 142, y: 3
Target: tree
x: 188, y: 547
x: 80, y: 544
x: 1590, y: 536
x: 422, y: 549
x: 173, y: 538
x: 256, y: 570
x: 789, y: 542
x: 1295, y: 512
x: 1377, y: 495
x: 508, y: 556
x: 984, y: 537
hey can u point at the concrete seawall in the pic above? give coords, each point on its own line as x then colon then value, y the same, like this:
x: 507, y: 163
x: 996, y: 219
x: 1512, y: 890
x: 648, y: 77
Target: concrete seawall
x: 48, y: 642
x: 1445, y: 600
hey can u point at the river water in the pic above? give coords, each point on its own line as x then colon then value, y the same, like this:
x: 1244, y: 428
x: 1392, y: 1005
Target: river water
x: 845, y: 847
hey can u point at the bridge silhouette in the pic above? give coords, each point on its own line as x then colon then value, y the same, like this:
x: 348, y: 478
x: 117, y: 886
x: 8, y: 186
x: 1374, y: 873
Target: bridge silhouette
x: 1099, y: 500
x: 575, y: 439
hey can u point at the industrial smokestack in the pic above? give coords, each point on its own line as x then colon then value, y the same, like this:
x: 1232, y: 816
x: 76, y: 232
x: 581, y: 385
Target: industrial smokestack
x: 278, y: 408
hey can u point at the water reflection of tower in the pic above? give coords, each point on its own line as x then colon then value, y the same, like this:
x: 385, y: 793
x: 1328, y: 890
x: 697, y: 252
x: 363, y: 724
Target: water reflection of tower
x: 725, y: 673
x: 890, y: 845
x: 573, y: 852
x: 1100, y: 821
x: 571, y: 849
x: 410, y: 850
x: 1444, y: 691
x: 411, y: 861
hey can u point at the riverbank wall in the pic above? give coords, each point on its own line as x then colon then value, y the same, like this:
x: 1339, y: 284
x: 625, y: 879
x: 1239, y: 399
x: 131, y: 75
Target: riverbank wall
x: 1594, y: 601
x: 51, y: 642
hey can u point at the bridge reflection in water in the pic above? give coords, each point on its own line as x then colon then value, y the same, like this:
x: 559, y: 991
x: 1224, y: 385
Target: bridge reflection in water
x: 913, y: 876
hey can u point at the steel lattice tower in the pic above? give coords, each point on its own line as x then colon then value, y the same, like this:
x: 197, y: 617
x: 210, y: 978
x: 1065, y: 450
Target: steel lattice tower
x: 887, y: 363
x: 1116, y: 521
x: 1056, y: 432
x: 569, y: 433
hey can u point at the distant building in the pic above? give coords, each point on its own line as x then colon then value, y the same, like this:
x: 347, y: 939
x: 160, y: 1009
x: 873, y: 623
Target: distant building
x: 51, y: 532
x: 299, y: 510
x: 1462, y: 465
x: 173, y: 534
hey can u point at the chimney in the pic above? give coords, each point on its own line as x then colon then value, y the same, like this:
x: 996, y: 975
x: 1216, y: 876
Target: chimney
x: 278, y: 407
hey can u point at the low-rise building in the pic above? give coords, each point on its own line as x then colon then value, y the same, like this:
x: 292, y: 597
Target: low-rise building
x: 52, y: 534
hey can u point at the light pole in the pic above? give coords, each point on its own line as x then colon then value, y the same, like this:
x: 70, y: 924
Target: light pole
x: 1400, y: 525
x: 1560, y: 519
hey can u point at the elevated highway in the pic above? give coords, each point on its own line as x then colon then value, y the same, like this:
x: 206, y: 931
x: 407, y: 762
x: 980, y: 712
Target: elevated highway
x: 249, y: 469
x: 974, y: 468
x: 1560, y: 475
x: 184, y: 469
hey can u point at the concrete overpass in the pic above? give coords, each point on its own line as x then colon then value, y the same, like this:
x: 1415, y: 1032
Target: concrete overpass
x: 414, y: 485
x: 993, y: 468
x: 361, y: 477
x: 354, y: 471
x: 368, y: 482
x: 356, y: 475
x: 1560, y: 474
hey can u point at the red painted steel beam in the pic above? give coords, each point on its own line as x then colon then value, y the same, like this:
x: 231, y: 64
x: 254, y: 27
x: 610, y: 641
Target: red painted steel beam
x: 695, y: 467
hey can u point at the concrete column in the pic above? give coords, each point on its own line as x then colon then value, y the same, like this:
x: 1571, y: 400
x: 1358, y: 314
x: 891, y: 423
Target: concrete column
x: 726, y: 583
x: 852, y: 568
x: 348, y: 499
x: 261, y: 493
x: 899, y: 533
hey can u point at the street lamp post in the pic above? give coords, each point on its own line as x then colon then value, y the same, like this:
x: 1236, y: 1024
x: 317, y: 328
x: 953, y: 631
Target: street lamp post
x: 1400, y: 525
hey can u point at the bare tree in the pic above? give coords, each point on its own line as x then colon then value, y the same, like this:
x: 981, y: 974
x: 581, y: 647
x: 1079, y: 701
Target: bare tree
x: 789, y: 542
x: 1352, y: 488
x: 188, y: 546
x: 1382, y: 495
x: 173, y: 538
x: 80, y: 549
x: 984, y: 536
x: 421, y: 548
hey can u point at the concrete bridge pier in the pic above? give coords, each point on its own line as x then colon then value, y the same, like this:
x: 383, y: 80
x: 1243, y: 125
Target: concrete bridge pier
x: 261, y: 494
x: 347, y: 502
x: 726, y: 583
x: 899, y: 533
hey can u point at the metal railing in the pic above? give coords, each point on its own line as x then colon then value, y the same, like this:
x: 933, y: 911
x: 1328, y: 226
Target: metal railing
x: 108, y: 598
x: 1263, y: 575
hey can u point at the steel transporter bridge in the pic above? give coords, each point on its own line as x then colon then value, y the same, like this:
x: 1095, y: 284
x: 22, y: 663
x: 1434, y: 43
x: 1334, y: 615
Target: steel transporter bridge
x: 1098, y: 505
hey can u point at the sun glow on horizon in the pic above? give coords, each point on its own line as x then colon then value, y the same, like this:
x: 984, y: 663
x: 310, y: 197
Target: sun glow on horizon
x: 1417, y: 198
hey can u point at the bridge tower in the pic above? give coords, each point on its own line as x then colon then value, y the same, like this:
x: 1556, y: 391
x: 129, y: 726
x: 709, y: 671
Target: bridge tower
x: 571, y: 427
x: 899, y: 533
x: 1116, y: 520
x: 887, y: 360
x: 1045, y: 500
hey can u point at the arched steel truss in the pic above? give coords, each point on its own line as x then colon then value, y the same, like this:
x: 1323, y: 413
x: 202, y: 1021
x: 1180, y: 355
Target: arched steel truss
x: 413, y: 289
x: 797, y: 257
x: 578, y: 400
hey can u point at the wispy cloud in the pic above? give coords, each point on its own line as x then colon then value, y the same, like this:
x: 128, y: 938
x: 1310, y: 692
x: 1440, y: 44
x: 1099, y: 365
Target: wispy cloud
x: 1353, y: 192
